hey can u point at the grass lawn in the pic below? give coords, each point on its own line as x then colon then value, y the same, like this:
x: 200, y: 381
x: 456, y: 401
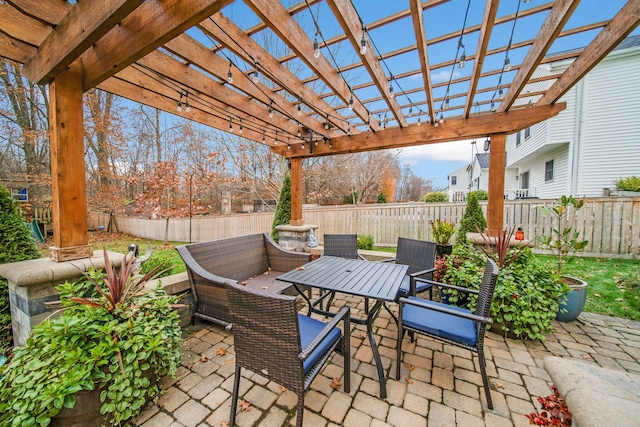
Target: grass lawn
x: 614, y: 284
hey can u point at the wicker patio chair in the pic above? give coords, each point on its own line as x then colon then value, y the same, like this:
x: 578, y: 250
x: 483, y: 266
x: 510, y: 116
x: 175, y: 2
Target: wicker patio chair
x: 273, y: 340
x: 342, y: 245
x: 451, y: 324
x: 420, y: 256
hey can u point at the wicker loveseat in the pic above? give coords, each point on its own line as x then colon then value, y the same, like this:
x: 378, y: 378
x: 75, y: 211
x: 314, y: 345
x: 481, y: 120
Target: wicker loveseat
x: 254, y: 260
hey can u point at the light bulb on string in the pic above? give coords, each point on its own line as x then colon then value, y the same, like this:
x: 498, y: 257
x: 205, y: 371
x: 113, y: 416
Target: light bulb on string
x: 326, y: 124
x: 316, y: 49
x: 391, y: 94
x: 299, y: 130
x: 507, y: 64
x: 299, y: 106
x: 463, y: 58
x: 500, y: 94
x: 419, y: 121
x: 179, y: 107
x: 441, y: 119
x: 302, y: 146
x: 493, y: 107
x: 230, y: 125
x: 363, y: 45
x: 187, y: 107
x: 270, y: 111
x: 240, y: 129
x: 275, y: 141
x: 263, y: 137
x: 351, y: 103
x: 229, y: 75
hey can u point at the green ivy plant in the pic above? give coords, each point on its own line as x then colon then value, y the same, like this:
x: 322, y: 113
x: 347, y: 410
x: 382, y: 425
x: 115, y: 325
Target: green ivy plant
x: 112, y: 335
x: 526, y: 295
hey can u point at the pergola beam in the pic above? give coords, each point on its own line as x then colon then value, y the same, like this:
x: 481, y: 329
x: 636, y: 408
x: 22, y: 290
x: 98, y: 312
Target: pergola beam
x: 197, y: 54
x: 477, y: 126
x: 80, y: 28
x: 348, y: 18
x: 557, y: 18
x: 152, y: 24
x: 486, y: 29
x: 625, y: 21
x: 291, y: 33
x: 421, y: 43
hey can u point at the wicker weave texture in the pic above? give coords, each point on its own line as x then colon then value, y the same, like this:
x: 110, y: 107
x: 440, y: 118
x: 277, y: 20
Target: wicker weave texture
x: 341, y: 245
x: 211, y: 265
x: 419, y: 255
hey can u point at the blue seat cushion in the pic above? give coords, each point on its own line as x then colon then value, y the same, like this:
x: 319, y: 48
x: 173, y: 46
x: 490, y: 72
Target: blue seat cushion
x: 405, y: 287
x: 438, y: 323
x: 309, y: 329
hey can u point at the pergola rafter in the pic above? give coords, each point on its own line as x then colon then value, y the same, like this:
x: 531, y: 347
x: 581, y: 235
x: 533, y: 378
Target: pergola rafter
x: 141, y: 50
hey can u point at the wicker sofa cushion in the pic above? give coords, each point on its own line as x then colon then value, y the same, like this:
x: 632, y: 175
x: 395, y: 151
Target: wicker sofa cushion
x: 442, y: 324
x: 309, y: 329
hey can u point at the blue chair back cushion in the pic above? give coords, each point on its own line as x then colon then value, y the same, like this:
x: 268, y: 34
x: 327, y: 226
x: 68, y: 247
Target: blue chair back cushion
x: 441, y: 324
x: 405, y: 287
x: 309, y: 329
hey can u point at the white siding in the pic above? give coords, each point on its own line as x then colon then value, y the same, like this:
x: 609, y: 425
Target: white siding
x: 610, y: 142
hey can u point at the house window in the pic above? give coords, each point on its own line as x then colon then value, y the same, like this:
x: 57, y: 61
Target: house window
x: 524, y: 180
x: 548, y: 171
x: 527, y: 133
x: 454, y: 180
x: 20, y: 194
x: 518, y: 139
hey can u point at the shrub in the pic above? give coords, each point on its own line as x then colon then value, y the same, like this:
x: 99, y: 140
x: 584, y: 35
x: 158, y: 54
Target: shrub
x: 169, y: 262
x: 16, y: 244
x: 480, y: 194
x: 526, y: 297
x: 472, y: 221
x: 435, y: 197
x: 365, y: 242
x: 382, y: 198
x: 630, y: 183
x: 283, y: 209
x: 351, y: 198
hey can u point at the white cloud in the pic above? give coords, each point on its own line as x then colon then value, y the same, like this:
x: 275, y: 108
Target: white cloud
x: 456, y: 151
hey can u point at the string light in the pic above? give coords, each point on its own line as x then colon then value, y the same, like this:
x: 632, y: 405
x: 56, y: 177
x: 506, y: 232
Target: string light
x: 349, y: 130
x: 316, y: 49
x: 363, y: 44
x: 299, y: 106
x: 187, y: 107
x: 441, y: 119
x: 302, y: 146
x: 275, y: 141
x: 446, y: 102
x: 351, y: 103
x: 288, y: 146
x: 463, y: 56
x: 299, y: 130
x: 500, y: 94
x: 240, y: 130
x: 263, y: 138
x: 230, y: 124
x: 493, y: 107
x: 507, y: 64
x: 256, y: 75
x: 391, y: 95
x: 271, y: 110
x: 229, y: 75
x: 419, y: 122
x: 179, y: 107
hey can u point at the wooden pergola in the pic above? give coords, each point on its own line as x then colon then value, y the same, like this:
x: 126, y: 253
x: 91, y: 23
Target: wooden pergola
x: 196, y: 54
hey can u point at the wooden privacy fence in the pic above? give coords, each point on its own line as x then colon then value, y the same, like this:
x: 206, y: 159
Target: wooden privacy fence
x: 611, y: 224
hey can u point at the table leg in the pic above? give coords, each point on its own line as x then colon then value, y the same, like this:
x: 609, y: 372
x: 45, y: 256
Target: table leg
x: 305, y: 298
x: 371, y: 316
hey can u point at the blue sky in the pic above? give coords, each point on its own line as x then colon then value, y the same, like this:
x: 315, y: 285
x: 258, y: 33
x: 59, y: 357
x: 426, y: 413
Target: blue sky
x: 437, y: 160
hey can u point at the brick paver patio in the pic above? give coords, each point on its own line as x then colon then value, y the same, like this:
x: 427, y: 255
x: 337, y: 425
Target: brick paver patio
x: 440, y: 385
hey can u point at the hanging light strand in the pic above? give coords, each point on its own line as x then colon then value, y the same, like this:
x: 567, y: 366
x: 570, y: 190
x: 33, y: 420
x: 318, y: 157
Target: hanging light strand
x: 507, y: 62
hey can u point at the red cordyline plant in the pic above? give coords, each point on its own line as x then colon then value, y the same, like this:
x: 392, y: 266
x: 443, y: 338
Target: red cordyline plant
x: 121, y: 285
x: 554, y: 411
x: 501, y: 247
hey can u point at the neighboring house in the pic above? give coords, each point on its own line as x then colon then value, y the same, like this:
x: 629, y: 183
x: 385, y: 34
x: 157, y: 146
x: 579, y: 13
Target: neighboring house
x: 582, y: 150
x: 458, y: 184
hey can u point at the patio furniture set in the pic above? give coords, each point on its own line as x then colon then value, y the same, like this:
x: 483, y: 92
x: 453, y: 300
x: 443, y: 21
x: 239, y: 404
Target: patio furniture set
x: 250, y: 284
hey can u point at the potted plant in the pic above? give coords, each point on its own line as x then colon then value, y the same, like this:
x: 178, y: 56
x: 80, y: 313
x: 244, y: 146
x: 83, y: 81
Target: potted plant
x: 526, y: 296
x: 442, y: 231
x: 97, y: 362
x: 563, y: 242
x: 628, y: 186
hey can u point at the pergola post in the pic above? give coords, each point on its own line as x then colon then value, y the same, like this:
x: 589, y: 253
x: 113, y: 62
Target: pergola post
x: 296, y: 191
x: 68, y: 185
x: 497, y: 164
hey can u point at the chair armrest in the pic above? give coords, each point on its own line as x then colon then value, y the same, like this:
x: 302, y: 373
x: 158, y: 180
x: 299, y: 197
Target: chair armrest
x: 445, y: 285
x: 420, y: 273
x: 387, y: 260
x: 362, y: 257
x: 447, y: 310
x: 194, y: 266
x: 281, y: 259
x: 342, y: 315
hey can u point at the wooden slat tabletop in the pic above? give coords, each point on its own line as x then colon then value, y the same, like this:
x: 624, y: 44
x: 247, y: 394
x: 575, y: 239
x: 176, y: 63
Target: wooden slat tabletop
x: 350, y: 276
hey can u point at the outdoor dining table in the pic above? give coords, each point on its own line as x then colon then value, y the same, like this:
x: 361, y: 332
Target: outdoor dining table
x: 378, y: 281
